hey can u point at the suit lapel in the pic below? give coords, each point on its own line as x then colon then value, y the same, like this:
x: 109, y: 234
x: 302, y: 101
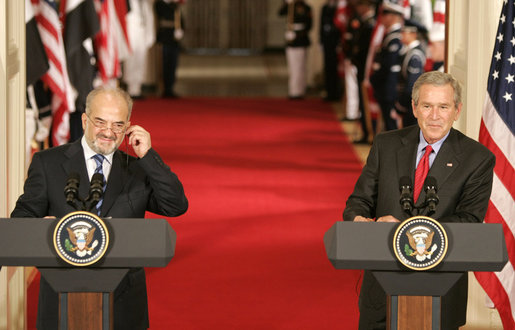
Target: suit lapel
x: 115, y: 183
x: 447, y: 160
x: 76, y: 163
x: 406, y: 155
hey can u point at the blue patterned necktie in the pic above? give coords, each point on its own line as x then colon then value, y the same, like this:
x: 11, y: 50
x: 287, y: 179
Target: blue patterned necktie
x: 99, y: 159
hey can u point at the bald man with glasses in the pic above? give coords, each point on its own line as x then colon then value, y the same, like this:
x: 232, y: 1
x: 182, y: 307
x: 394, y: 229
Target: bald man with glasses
x: 133, y: 185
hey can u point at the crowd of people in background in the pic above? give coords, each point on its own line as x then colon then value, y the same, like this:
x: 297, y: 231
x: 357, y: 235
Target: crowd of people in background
x: 373, y: 51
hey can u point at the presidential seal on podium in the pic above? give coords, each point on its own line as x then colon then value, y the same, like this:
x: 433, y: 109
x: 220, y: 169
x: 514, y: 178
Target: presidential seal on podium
x: 420, y: 243
x: 81, y: 238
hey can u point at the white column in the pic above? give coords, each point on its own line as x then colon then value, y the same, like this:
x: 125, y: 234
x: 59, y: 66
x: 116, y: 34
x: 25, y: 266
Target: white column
x: 12, y: 146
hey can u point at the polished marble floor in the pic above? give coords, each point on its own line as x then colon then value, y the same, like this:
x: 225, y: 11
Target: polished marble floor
x: 232, y: 75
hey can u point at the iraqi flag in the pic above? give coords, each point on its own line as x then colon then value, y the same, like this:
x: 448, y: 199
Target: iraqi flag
x: 80, y: 26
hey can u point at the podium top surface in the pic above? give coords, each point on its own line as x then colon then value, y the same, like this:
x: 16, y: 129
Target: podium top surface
x: 133, y: 243
x: 472, y: 247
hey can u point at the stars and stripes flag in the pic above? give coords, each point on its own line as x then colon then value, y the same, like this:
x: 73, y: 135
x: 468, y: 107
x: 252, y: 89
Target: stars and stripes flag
x: 122, y: 33
x: 63, y: 98
x: 105, y: 42
x: 38, y: 64
x: 497, y: 133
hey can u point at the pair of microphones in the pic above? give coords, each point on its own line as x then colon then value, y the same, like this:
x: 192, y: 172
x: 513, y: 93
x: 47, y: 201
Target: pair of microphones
x: 96, y: 190
x: 406, y: 198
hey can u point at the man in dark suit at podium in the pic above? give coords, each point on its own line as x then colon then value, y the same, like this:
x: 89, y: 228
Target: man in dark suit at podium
x: 133, y: 185
x: 462, y: 167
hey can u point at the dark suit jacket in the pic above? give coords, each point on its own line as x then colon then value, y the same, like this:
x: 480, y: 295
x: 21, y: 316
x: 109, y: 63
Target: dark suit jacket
x: 134, y: 186
x: 463, y: 169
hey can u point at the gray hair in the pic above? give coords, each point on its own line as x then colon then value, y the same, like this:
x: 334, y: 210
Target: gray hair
x: 436, y: 78
x: 116, y: 91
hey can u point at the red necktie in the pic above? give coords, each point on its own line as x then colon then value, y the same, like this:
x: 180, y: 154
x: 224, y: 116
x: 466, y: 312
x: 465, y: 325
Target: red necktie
x: 421, y: 172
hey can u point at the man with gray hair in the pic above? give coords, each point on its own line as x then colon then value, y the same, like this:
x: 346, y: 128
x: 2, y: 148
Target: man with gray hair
x: 132, y: 186
x: 462, y: 167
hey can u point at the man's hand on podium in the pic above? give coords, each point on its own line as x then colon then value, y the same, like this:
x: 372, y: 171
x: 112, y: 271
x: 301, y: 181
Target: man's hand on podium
x: 359, y: 218
x: 386, y: 218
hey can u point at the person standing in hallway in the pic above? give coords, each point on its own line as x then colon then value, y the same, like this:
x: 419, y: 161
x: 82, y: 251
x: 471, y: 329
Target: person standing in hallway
x: 330, y: 40
x: 299, y: 23
x: 462, y: 167
x: 170, y: 31
x: 133, y: 185
x: 412, y: 67
x: 360, y: 30
x: 387, y: 63
x: 141, y: 31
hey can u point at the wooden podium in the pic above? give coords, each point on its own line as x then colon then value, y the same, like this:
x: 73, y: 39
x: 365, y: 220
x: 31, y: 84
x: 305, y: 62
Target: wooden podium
x: 85, y: 293
x: 369, y: 246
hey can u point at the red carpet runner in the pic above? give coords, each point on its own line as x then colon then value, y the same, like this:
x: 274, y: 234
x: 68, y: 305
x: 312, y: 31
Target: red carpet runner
x: 265, y: 178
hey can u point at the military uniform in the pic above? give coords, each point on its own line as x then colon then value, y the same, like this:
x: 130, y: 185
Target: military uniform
x: 166, y: 35
x: 385, y: 75
x: 413, y: 62
x: 360, y: 30
x: 297, y: 47
x: 330, y: 39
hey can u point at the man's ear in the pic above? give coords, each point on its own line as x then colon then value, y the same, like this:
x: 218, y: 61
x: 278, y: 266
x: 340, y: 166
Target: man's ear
x: 458, y: 111
x: 413, y: 107
x: 84, y: 119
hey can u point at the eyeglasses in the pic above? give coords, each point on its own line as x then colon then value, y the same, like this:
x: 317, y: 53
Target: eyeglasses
x: 117, y: 128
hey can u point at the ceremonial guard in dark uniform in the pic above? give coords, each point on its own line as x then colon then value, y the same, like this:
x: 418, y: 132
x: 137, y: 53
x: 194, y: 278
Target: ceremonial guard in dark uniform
x: 413, y: 62
x: 387, y: 63
x: 297, y: 42
x: 360, y: 31
x: 169, y: 33
x: 330, y: 40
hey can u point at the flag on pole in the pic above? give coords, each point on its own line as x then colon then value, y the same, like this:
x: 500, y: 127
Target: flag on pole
x: 56, y: 77
x: 497, y: 133
x: 80, y: 24
x: 341, y: 20
x: 106, y: 41
x: 122, y: 33
x: 38, y: 64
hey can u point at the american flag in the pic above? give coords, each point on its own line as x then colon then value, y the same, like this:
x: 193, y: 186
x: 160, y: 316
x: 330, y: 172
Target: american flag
x: 56, y: 77
x: 105, y: 41
x: 497, y: 133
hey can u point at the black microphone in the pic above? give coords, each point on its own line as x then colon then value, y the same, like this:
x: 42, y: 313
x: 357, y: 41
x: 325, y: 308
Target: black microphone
x: 96, y: 189
x: 71, y: 190
x: 431, y: 194
x: 406, y: 198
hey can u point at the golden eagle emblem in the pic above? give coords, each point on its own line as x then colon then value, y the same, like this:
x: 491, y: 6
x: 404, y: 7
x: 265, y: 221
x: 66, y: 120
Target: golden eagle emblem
x: 81, y: 238
x: 420, y: 239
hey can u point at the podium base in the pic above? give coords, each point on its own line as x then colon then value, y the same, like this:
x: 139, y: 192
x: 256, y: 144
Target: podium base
x: 413, y: 312
x: 85, y: 311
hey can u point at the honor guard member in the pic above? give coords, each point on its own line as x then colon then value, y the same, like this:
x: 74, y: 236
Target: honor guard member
x: 361, y: 26
x: 387, y: 63
x: 169, y: 34
x: 142, y: 35
x: 330, y: 40
x: 413, y: 62
x: 299, y: 24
